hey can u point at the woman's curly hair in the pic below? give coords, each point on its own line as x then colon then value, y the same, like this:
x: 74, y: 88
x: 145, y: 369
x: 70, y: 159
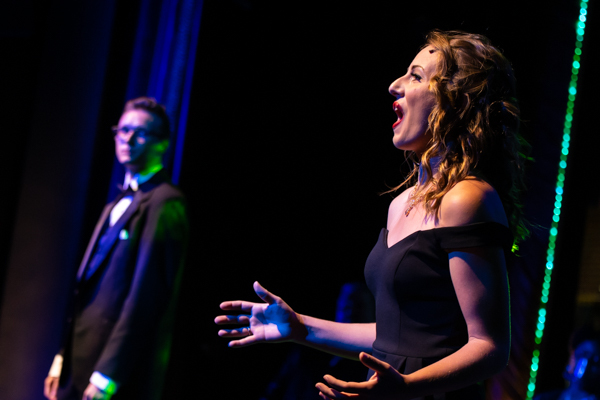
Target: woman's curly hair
x: 474, y: 125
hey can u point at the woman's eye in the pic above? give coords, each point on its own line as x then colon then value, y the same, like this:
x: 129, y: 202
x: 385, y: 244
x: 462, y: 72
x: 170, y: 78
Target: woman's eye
x: 416, y: 76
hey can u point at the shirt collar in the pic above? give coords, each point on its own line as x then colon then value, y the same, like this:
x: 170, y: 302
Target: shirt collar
x: 135, y: 180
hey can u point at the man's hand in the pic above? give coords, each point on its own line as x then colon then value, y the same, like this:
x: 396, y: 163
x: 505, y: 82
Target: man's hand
x: 93, y: 393
x: 50, y: 387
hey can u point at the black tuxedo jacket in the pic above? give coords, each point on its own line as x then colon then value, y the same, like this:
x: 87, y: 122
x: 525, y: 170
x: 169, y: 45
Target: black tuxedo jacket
x: 126, y: 293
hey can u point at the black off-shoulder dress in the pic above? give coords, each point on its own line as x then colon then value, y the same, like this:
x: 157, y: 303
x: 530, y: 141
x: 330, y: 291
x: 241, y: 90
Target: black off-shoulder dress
x: 419, y: 320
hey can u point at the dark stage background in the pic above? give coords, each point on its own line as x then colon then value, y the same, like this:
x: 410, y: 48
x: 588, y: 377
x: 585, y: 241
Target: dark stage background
x: 287, y: 149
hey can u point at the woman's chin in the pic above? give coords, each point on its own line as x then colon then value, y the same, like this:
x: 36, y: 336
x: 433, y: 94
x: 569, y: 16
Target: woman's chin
x: 408, y: 146
x: 418, y: 144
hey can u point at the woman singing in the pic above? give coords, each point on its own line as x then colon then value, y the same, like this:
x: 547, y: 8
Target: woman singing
x: 438, y: 272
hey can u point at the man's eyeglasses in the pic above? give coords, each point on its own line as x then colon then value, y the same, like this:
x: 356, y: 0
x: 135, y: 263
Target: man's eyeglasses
x: 126, y: 132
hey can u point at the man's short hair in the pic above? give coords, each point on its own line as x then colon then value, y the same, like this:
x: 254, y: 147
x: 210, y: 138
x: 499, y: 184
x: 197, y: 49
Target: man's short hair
x: 150, y: 105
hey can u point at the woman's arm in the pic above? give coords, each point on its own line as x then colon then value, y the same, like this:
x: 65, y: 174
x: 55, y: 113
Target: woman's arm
x: 341, y: 339
x: 480, y: 282
x: 481, y: 285
x: 274, y: 321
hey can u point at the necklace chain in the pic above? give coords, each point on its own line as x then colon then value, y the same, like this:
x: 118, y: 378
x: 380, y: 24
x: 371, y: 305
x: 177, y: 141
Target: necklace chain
x: 413, y: 200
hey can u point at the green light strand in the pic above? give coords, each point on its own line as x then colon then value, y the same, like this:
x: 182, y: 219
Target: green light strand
x: 560, y: 183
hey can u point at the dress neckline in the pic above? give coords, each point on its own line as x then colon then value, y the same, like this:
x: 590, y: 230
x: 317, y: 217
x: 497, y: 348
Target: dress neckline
x: 386, y: 231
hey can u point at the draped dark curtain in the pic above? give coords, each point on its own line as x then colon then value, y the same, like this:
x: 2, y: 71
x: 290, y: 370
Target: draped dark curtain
x: 162, y: 66
x: 57, y: 96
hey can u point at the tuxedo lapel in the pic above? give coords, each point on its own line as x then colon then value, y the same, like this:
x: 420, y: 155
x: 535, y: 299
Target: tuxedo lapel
x: 95, y: 236
x: 98, y: 249
x: 112, y: 234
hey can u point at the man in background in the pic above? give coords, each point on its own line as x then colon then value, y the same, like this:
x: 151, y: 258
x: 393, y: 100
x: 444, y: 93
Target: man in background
x: 117, y: 339
x: 582, y: 373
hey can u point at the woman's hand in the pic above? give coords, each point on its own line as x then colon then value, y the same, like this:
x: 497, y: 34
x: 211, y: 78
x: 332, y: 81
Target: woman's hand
x: 271, y: 321
x: 386, y: 383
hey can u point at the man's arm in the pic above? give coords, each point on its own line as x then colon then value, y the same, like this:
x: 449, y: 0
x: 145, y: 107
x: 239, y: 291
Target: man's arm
x: 51, y: 381
x: 100, y: 387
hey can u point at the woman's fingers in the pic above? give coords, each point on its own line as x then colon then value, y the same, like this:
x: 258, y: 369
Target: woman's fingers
x: 327, y: 392
x: 331, y: 393
x: 373, y: 363
x: 246, y: 306
x: 237, y: 305
x: 264, y: 294
x: 234, y: 319
x: 244, y: 332
x: 343, y: 386
x: 238, y: 332
x: 241, y: 319
x: 247, y: 341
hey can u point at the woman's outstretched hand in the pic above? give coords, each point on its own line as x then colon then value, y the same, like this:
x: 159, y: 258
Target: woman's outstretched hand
x: 386, y: 383
x: 271, y: 321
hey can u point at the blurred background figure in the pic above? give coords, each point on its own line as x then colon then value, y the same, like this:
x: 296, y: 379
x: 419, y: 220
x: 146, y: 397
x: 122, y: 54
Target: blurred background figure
x: 117, y: 336
x: 582, y: 373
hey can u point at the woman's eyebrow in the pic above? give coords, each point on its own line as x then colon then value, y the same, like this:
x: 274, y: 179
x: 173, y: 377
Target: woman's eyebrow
x: 413, y: 67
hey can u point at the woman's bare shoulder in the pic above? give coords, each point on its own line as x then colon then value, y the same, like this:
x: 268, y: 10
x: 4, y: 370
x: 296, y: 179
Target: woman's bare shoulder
x: 469, y: 201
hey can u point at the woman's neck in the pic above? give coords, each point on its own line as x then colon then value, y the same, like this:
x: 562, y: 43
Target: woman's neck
x: 434, y: 163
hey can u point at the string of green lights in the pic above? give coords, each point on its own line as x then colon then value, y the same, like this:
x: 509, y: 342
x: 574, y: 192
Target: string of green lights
x: 560, y: 182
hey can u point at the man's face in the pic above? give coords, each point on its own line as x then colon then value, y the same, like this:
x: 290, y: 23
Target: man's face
x: 136, y: 145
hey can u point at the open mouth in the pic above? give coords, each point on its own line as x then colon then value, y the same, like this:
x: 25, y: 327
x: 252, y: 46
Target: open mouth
x: 399, y: 113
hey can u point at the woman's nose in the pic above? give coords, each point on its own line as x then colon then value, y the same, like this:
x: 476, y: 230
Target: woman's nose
x: 397, y: 88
